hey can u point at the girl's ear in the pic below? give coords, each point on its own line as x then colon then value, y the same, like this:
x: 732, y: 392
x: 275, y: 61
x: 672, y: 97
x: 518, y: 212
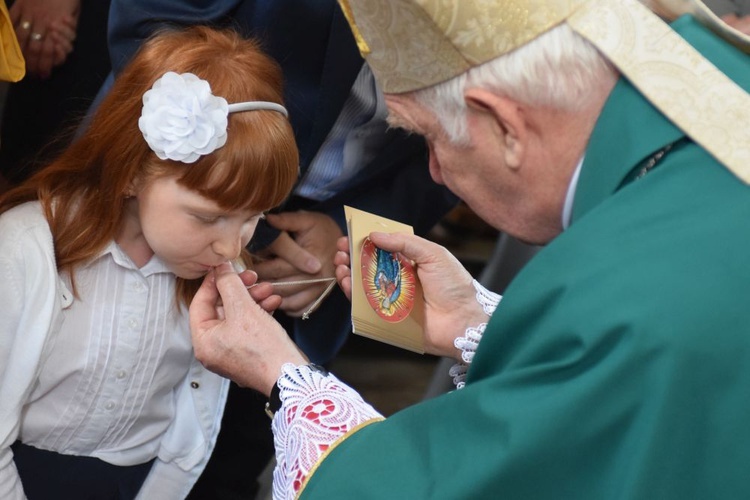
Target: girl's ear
x: 133, y: 187
x: 508, y: 115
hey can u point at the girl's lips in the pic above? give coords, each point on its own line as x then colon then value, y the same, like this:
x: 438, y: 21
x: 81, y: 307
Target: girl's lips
x: 208, y: 267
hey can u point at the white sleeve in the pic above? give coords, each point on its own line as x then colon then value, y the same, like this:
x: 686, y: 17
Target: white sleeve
x: 470, y: 341
x: 30, y: 308
x: 487, y: 299
x: 10, y: 410
x: 317, y: 410
x: 10, y: 483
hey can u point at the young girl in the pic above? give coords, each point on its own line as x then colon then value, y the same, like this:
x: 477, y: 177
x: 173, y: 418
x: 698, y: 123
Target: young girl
x: 102, y: 251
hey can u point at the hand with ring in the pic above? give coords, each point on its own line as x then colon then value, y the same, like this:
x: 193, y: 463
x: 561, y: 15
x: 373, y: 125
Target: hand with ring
x: 45, y: 30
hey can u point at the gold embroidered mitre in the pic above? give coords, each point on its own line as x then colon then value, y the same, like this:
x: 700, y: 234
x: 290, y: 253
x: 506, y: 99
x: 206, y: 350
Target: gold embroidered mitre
x: 413, y: 44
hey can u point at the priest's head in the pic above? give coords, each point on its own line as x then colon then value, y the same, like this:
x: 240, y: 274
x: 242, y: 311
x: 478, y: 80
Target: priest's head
x: 507, y: 92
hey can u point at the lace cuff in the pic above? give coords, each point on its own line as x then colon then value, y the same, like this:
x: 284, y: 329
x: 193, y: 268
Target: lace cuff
x: 469, y: 343
x: 317, y: 409
x: 487, y: 299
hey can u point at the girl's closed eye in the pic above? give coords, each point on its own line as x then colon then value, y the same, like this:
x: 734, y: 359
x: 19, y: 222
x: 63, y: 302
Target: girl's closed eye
x: 207, y: 219
x: 214, y: 218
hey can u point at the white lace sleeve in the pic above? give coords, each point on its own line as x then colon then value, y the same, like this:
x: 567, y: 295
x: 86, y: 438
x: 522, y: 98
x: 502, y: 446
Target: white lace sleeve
x: 469, y: 343
x: 487, y: 299
x: 317, y: 410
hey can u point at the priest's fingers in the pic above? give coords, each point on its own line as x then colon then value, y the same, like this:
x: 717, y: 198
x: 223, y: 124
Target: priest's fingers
x: 449, y: 295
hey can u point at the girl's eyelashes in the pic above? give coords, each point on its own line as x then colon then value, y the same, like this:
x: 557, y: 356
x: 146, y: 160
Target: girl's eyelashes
x: 206, y: 219
x: 213, y: 218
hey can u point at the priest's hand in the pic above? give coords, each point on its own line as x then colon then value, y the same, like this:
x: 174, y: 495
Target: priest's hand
x: 343, y: 269
x: 234, y: 336
x: 450, y: 297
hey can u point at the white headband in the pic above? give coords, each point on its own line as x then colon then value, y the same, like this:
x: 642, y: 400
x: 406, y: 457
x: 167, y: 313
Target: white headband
x: 182, y: 120
x: 257, y: 106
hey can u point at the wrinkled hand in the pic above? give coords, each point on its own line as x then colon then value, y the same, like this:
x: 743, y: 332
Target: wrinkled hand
x: 450, y: 298
x: 234, y: 337
x: 342, y: 261
x: 304, y: 250
x: 45, y: 30
x: 262, y: 293
x: 740, y: 23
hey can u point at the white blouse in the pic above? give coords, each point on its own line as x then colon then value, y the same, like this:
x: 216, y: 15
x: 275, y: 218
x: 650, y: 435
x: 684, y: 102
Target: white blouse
x: 110, y: 374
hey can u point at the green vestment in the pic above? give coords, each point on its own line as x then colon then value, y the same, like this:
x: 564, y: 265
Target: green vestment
x: 617, y: 365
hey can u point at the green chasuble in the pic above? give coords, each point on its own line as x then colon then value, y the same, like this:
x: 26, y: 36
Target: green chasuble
x: 617, y: 365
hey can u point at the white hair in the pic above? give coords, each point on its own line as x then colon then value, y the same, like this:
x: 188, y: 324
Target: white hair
x: 557, y: 70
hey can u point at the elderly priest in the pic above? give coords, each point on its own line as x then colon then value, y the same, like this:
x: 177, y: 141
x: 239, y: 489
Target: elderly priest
x: 618, y: 363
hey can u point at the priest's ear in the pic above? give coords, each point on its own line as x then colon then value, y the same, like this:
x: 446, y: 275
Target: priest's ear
x: 506, y: 119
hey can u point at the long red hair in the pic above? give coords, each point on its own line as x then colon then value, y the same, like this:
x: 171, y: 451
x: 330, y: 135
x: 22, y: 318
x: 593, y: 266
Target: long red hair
x: 83, y: 191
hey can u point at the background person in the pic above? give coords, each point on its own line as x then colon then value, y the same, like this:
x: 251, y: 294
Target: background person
x: 67, y: 65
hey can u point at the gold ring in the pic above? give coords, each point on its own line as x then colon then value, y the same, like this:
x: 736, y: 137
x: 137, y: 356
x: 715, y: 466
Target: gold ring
x: 26, y: 25
x: 36, y: 36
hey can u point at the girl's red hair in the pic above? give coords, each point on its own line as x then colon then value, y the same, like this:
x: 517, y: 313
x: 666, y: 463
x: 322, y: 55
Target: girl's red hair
x: 83, y: 191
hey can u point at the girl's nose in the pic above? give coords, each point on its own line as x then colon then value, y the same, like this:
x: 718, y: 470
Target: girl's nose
x: 228, y: 246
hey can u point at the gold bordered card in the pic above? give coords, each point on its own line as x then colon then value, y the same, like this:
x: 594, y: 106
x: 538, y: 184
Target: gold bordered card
x: 387, y: 302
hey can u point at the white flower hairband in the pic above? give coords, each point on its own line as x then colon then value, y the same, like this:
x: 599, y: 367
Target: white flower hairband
x: 182, y: 120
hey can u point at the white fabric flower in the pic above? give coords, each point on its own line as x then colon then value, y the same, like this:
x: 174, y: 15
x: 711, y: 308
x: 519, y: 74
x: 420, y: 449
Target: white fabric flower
x: 181, y: 119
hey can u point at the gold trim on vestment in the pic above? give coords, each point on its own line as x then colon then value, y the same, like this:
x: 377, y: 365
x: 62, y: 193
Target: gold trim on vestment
x: 331, y: 447
x: 687, y: 88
